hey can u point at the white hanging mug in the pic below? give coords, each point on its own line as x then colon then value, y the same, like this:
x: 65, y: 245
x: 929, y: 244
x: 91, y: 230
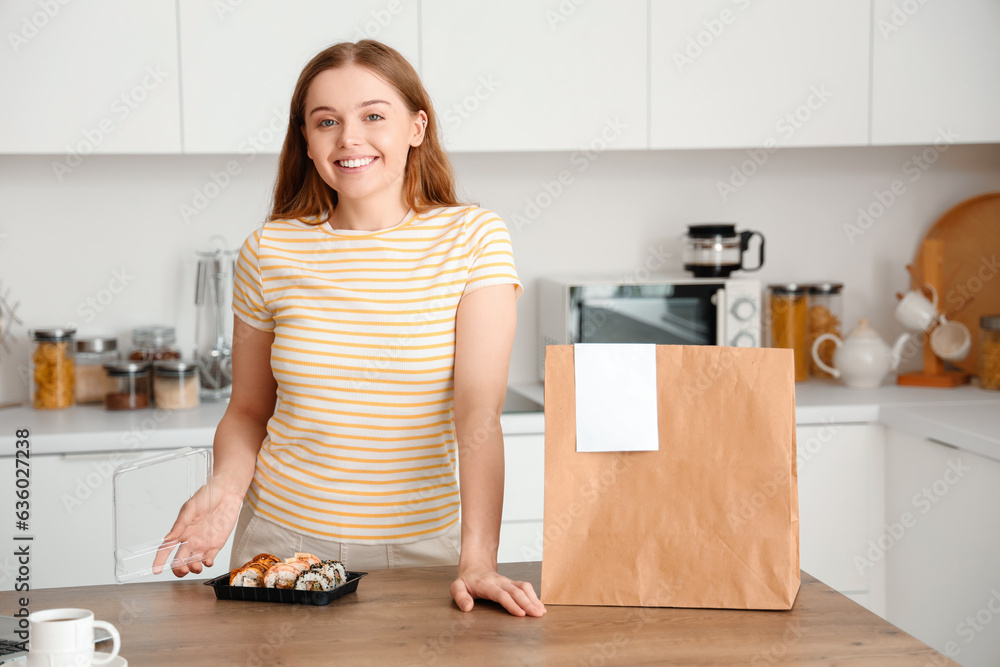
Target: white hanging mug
x: 916, y: 312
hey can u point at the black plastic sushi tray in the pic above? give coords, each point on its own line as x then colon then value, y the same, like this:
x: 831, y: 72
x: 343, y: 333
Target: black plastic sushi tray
x: 223, y: 591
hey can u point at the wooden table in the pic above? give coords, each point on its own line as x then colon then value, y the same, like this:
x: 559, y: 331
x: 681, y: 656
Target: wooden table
x: 407, y: 617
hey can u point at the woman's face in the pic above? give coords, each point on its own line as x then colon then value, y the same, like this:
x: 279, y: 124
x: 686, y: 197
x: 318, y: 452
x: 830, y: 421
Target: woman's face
x: 359, y: 133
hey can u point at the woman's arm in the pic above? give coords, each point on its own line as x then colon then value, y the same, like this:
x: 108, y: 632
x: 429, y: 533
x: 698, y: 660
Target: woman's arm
x: 205, y: 522
x: 484, y: 336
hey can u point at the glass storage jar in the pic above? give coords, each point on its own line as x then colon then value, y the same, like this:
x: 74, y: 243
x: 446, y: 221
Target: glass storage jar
x: 91, y: 378
x: 128, y: 385
x: 787, y: 308
x: 825, y: 314
x: 154, y: 343
x: 52, y: 368
x: 989, y: 352
x: 175, y: 384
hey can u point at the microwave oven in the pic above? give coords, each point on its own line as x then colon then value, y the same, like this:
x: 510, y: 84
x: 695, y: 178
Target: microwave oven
x: 661, y: 311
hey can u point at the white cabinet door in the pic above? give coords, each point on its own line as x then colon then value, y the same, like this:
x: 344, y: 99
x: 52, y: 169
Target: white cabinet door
x: 72, y: 522
x: 942, y: 573
x: 936, y: 72
x: 841, y: 507
x: 89, y: 77
x: 733, y: 73
x: 529, y: 76
x: 523, y: 495
x: 241, y: 59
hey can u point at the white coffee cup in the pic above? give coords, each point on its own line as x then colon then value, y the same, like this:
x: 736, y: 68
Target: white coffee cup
x: 65, y: 638
x: 916, y: 312
x: 951, y: 340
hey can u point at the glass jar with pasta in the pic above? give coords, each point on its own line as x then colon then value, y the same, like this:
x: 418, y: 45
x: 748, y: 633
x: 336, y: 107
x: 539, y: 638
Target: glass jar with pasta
x: 52, y: 369
x: 788, y: 315
x: 989, y: 351
x: 824, y: 316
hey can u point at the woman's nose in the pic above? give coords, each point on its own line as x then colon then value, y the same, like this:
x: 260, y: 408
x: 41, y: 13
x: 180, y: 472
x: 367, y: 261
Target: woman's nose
x: 350, y: 133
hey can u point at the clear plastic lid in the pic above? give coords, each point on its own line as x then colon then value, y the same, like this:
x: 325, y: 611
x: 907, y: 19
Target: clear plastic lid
x: 148, y: 494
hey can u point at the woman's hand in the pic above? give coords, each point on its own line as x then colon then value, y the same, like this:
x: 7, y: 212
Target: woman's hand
x: 517, y: 597
x: 202, y: 527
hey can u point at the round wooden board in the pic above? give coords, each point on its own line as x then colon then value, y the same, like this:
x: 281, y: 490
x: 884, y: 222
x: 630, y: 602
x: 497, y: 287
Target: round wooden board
x: 970, y: 236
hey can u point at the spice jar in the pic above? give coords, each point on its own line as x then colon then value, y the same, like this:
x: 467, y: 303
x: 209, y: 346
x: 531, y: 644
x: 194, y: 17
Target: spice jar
x: 989, y: 352
x: 175, y: 384
x: 824, y: 316
x: 52, y: 368
x: 154, y: 343
x: 91, y: 378
x: 128, y: 385
x: 787, y: 305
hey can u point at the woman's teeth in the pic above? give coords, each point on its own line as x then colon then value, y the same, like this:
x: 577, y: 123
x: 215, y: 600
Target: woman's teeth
x: 350, y: 164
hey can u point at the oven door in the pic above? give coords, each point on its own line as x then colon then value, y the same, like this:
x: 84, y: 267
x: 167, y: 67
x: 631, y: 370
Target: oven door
x: 684, y: 314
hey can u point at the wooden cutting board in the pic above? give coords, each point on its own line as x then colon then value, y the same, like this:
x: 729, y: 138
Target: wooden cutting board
x: 970, y: 266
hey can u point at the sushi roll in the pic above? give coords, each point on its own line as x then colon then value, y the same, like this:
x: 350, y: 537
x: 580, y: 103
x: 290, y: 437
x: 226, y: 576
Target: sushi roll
x: 267, y: 559
x: 313, y: 580
x: 250, y: 575
x: 333, y: 569
x: 308, y: 558
x: 281, y: 575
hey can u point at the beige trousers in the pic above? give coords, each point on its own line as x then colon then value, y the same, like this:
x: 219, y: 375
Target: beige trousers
x: 255, y: 534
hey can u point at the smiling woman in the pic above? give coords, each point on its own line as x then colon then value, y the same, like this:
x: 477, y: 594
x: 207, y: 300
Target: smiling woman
x: 375, y: 317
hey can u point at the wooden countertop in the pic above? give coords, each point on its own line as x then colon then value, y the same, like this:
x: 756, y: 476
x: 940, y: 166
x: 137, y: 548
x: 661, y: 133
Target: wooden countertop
x: 407, y: 617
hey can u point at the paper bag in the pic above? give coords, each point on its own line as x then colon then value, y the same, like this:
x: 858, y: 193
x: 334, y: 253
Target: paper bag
x: 709, y: 520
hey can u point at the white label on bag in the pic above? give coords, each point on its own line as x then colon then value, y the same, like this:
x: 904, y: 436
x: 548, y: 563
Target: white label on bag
x: 615, y: 397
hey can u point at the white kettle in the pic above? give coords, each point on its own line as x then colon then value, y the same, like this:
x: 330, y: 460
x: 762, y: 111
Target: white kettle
x: 862, y: 359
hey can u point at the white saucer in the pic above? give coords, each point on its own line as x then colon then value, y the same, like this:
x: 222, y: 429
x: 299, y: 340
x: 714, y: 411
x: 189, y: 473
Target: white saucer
x: 117, y: 661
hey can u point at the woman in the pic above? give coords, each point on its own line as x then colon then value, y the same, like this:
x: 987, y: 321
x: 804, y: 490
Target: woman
x: 374, y: 320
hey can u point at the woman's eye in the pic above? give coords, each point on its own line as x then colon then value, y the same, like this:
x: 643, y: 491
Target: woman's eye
x: 373, y: 116
x: 327, y: 122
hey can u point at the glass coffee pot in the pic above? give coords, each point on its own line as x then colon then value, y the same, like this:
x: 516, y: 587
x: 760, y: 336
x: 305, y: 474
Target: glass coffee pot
x: 715, y: 250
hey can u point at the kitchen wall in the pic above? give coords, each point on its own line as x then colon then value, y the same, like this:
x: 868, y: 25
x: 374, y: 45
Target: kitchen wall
x: 109, y: 244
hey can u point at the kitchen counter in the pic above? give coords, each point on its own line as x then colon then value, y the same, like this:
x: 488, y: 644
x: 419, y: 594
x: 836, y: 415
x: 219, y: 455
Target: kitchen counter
x: 407, y: 617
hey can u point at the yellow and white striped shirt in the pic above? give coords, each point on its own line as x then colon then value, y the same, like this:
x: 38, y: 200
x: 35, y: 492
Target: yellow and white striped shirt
x: 361, y: 446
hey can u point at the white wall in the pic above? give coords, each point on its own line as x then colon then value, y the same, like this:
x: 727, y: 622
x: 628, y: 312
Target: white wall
x: 61, y: 242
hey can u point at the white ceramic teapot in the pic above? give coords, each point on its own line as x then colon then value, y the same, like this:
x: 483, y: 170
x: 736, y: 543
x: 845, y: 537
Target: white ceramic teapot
x: 862, y: 359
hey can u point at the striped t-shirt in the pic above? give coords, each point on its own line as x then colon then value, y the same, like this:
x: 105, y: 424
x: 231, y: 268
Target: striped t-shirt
x: 361, y: 446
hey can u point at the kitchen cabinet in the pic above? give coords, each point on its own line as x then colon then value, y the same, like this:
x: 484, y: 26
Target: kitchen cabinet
x: 529, y: 76
x: 840, y: 468
x: 241, y: 61
x: 942, y: 578
x: 523, y: 496
x: 935, y: 72
x: 733, y: 73
x: 94, y: 77
x: 72, y: 521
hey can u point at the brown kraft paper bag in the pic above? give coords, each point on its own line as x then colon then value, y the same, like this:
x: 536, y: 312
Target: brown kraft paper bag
x: 710, y: 520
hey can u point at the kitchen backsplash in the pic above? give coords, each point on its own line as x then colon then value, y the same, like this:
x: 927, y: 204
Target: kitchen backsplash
x: 110, y: 245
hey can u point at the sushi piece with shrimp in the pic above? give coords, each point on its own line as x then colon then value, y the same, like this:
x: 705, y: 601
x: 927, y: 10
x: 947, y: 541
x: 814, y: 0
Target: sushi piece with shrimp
x: 281, y: 575
x: 249, y: 575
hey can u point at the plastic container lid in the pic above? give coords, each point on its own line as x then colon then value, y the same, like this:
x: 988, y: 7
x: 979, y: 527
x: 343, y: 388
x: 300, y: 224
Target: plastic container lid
x: 991, y: 322
x: 825, y: 288
x: 154, y: 336
x: 794, y: 289
x: 148, y: 494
